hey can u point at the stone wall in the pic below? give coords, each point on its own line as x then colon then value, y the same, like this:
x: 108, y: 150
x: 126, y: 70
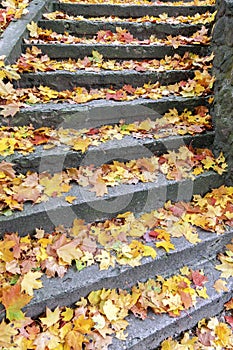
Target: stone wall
x: 223, y: 70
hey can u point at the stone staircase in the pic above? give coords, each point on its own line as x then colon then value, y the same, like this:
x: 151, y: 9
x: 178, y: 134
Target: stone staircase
x: 137, y: 198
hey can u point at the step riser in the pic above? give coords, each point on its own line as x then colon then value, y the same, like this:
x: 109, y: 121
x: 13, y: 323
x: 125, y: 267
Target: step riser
x: 128, y: 148
x: 92, y: 10
x: 143, y: 197
x: 97, y: 113
x: 138, y: 30
x: 65, y: 51
x: 60, y: 80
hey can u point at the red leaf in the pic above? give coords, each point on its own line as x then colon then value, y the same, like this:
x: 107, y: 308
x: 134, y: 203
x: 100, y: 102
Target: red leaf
x: 198, y: 278
x: 229, y: 320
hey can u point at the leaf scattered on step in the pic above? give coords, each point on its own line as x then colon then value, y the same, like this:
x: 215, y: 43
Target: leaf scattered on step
x: 220, y: 286
x: 102, y: 315
x: 24, y: 139
x: 203, y: 18
x: 34, y: 60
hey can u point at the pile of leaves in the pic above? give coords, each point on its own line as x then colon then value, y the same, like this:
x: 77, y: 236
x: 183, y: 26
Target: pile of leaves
x: 144, y: 2
x: 120, y: 37
x: 35, y: 61
x: 175, y: 165
x: 11, y: 9
x: 203, y: 18
x: 23, y: 139
x: 214, y: 333
x: 97, y: 318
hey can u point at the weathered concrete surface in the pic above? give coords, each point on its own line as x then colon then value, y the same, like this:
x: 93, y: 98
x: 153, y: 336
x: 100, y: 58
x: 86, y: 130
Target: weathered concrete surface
x: 58, y: 158
x: 138, y: 30
x: 122, y: 198
x: 149, y: 333
x: 132, y: 51
x: 100, y: 112
x: 223, y: 70
x: 127, y: 10
x: 155, y: 328
x: 62, y: 80
x: 12, y: 37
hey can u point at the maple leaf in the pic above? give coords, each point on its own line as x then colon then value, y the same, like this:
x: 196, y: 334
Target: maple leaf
x: 10, y: 109
x: 69, y: 252
x: 226, y: 266
x: 99, y: 185
x: 81, y: 144
x: 110, y: 310
x: 198, y: 278
x: 30, y: 282
x: 105, y: 260
x: 83, y: 325
x: 229, y: 320
x: 220, y: 286
x: 51, y: 318
x: 6, y: 334
x: 47, y: 340
x: 167, y: 245
x: 33, y: 29
x: 53, y: 268
x: 7, y: 169
x: 13, y: 301
x: 229, y: 305
x: 70, y: 199
x: 202, y: 293
x: 75, y: 340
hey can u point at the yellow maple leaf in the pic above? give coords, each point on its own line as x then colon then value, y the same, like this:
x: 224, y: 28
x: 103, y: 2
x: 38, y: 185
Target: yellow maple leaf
x: 67, y: 315
x: 105, y: 260
x: 83, y: 325
x: 33, y: 29
x: 149, y: 251
x: 202, y: 293
x: 51, y: 318
x: 81, y: 144
x: 110, y: 310
x: 226, y: 266
x: 167, y: 245
x: 6, y: 334
x: 30, y: 281
x: 70, y: 199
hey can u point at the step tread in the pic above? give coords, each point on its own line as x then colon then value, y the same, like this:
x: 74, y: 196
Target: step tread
x: 64, y: 80
x: 142, y: 196
x: 156, y: 328
x: 99, y: 112
x: 126, y: 148
x: 130, y: 10
x: 62, y: 51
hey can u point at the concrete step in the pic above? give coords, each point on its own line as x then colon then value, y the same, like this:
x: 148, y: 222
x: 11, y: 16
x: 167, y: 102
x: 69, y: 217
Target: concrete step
x: 61, y: 157
x: 100, y: 112
x: 139, y: 30
x: 136, y: 198
x: 150, y: 332
x: 127, y: 10
x: 120, y: 52
x: 63, y: 80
